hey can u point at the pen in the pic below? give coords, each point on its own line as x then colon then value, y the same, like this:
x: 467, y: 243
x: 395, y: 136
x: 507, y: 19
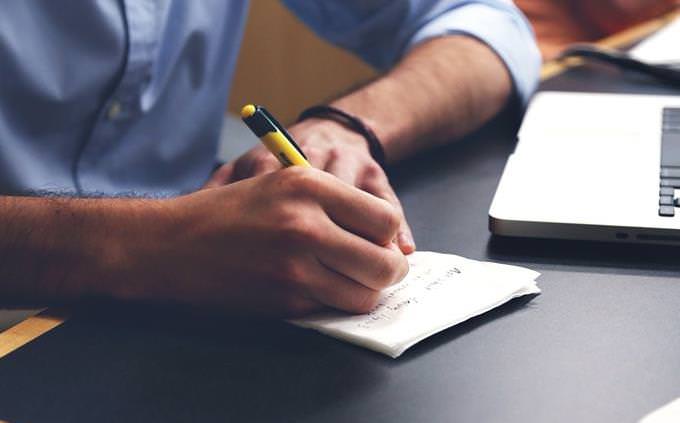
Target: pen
x: 273, y: 136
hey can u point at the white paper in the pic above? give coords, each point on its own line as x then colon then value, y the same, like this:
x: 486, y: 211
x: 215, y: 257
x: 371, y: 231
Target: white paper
x: 662, y: 47
x: 440, y: 291
x: 669, y: 413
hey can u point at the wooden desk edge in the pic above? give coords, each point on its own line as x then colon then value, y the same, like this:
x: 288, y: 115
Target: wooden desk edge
x: 33, y: 327
x: 24, y: 332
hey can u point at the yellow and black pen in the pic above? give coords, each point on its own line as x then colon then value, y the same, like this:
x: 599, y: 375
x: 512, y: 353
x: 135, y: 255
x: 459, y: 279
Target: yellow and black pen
x: 273, y: 136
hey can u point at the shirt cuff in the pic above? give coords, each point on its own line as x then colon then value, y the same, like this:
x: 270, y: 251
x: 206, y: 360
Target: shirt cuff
x: 505, y: 31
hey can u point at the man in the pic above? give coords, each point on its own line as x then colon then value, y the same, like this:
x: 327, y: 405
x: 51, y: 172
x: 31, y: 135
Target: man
x: 106, y: 100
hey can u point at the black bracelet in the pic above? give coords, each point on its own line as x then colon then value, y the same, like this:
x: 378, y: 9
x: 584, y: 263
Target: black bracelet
x: 350, y: 122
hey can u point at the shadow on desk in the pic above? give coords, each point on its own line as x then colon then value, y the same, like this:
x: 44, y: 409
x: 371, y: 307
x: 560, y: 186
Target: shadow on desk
x: 516, y: 305
x: 618, y: 257
x: 10, y: 317
x: 181, y: 365
x: 238, y: 368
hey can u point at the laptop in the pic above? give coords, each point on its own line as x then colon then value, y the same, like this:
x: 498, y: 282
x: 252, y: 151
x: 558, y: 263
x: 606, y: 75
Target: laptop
x: 589, y: 166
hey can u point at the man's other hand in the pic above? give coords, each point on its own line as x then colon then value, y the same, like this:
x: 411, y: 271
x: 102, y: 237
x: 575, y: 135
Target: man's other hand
x: 331, y: 147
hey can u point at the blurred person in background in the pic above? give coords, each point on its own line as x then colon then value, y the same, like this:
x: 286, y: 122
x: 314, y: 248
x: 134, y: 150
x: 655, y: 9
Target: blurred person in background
x: 558, y: 23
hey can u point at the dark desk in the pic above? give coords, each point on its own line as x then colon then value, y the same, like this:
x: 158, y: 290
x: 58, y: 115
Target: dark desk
x: 602, y: 343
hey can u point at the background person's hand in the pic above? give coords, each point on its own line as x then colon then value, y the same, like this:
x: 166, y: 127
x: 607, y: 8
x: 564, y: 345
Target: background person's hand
x: 330, y: 147
x: 286, y: 243
x: 613, y: 16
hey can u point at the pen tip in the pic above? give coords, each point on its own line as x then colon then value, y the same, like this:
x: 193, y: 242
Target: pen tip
x: 247, y: 111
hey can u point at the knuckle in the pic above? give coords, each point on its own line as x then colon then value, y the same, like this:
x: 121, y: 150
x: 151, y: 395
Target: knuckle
x: 298, y: 230
x: 284, y: 211
x: 333, y: 154
x: 299, y: 181
x: 249, y: 157
x: 373, y: 171
x: 388, y: 271
x: 292, y: 271
x: 241, y: 165
x: 365, y: 301
x: 391, y: 217
x: 375, y: 181
x: 261, y: 164
x: 313, y: 153
x: 403, y: 269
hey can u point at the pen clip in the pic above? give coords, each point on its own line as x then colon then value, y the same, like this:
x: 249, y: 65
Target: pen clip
x: 275, y: 123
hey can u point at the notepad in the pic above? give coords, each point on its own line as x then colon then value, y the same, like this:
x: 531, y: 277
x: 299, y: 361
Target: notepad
x: 439, y: 291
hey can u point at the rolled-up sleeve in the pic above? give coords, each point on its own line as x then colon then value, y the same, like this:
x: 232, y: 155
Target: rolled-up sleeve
x: 381, y: 31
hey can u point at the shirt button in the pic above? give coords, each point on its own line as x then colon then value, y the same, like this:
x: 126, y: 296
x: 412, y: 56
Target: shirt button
x: 114, y: 110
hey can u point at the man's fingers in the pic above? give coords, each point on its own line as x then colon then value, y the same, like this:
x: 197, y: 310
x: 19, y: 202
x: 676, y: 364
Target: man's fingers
x: 376, y: 267
x: 405, y: 240
x: 221, y: 176
x: 255, y: 162
x: 264, y: 164
x: 338, y: 291
x: 241, y: 168
x: 380, y: 187
x: 357, y: 211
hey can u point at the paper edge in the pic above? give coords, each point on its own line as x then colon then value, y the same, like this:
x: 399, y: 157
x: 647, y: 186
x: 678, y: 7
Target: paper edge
x: 367, y: 343
x: 526, y: 290
x: 657, y: 415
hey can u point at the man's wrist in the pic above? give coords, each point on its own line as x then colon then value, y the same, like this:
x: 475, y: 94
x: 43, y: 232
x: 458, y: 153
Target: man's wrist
x: 138, y: 232
x: 350, y: 122
x: 308, y: 130
x: 98, y: 247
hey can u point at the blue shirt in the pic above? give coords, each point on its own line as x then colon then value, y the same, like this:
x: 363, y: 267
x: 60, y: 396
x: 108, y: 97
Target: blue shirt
x: 128, y: 96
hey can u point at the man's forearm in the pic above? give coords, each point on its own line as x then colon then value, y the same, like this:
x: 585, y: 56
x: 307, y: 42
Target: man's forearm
x: 440, y: 91
x: 56, y: 250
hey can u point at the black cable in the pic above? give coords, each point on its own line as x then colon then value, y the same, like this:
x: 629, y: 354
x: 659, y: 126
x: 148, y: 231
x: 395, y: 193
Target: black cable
x: 663, y: 72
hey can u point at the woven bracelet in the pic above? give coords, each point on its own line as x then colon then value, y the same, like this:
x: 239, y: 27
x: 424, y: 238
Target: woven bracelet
x: 350, y: 122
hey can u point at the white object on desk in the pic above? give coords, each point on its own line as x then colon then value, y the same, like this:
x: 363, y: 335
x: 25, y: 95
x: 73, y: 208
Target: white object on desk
x: 440, y: 291
x: 662, y: 47
x: 669, y: 413
x: 575, y: 147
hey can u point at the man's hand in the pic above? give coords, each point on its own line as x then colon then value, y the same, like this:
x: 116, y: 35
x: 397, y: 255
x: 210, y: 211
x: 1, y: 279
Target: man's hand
x: 330, y: 147
x: 442, y: 89
x: 284, y: 243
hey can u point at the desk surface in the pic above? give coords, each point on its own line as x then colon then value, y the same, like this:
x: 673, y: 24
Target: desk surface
x: 600, y: 344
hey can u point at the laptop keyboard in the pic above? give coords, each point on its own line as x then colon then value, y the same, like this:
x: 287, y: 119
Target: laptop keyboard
x: 670, y: 162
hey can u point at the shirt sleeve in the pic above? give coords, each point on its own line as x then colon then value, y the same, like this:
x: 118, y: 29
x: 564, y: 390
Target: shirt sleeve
x: 381, y: 31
